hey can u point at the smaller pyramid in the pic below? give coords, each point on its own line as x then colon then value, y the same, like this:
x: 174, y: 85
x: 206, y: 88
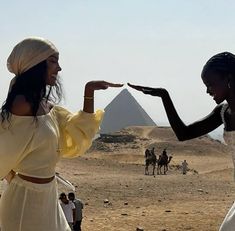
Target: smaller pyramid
x: 124, y: 111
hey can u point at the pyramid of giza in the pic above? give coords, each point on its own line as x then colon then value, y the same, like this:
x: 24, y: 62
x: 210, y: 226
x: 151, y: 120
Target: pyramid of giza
x: 124, y: 111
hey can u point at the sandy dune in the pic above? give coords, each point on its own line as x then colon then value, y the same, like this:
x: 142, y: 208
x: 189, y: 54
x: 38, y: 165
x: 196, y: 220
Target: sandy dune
x: 173, y: 202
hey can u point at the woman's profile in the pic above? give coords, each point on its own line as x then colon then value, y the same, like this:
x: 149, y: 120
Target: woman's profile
x: 35, y: 134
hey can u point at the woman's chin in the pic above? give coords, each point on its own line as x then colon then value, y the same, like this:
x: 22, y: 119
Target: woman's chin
x: 218, y: 101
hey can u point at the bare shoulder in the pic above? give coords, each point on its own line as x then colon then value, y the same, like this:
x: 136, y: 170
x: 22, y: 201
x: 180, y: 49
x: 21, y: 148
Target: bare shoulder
x: 21, y: 107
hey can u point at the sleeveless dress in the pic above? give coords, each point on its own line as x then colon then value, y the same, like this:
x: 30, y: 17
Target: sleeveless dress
x: 229, y: 137
x: 33, y: 148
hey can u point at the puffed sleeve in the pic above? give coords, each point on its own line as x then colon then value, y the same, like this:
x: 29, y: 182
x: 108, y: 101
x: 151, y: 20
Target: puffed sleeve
x: 76, y: 130
x: 15, y: 143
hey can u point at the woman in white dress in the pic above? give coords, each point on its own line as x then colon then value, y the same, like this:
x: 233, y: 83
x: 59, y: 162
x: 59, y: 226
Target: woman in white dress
x: 218, y: 75
x: 35, y: 135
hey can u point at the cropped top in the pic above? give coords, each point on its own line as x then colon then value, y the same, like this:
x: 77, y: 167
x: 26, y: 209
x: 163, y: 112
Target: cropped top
x: 33, y: 148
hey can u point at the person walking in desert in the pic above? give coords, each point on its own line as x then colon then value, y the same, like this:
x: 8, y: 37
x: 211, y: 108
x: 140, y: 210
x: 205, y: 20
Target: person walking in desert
x: 35, y: 134
x: 218, y: 75
x: 184, y: 165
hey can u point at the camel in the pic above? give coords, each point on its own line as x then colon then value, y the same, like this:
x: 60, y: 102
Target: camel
x: 163, y: 160
x: 150, y: 159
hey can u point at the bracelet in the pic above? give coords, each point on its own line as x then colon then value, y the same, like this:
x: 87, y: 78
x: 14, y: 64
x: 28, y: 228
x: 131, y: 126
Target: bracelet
x: 88, y: 97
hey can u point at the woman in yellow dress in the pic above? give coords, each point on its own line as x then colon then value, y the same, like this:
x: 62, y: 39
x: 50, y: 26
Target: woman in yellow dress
x: 35, y: 134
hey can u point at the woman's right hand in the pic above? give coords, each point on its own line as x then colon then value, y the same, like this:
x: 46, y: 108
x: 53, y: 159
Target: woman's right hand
x: 149, y: 90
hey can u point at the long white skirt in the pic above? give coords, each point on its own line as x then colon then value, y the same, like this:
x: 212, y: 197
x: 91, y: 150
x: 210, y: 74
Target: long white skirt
x: 229, y: 220
x: 26, y: 206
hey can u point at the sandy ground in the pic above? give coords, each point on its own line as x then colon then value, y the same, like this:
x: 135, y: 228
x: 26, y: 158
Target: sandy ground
x: 173, y: 202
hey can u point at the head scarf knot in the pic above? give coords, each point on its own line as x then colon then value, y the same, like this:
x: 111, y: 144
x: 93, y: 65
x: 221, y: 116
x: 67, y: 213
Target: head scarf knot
x: 28, y: 53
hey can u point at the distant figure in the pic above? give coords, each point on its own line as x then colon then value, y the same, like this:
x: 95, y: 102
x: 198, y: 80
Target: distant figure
x: 78, y: 215
x: 163, y: 161
x: 164, y: 152
x: 150, y: 158
x: 153, y: 151
x: 69, y: 209
x: 184, y: 167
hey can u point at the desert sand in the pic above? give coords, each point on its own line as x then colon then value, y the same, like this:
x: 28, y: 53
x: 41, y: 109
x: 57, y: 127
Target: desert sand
x: 110, y: 180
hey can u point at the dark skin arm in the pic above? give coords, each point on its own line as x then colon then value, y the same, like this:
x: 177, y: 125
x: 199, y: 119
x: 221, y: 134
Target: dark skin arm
x: 182, y: 131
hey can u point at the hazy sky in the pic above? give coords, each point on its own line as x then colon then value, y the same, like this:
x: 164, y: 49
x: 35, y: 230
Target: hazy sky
x: 161, y: 43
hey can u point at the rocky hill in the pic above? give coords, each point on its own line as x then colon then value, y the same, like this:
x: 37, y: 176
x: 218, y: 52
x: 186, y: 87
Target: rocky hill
x: 140, y: 137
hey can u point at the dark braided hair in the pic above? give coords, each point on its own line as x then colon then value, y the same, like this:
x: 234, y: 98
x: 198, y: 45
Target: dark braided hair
x: 32, y: 85
x: 222, y: 63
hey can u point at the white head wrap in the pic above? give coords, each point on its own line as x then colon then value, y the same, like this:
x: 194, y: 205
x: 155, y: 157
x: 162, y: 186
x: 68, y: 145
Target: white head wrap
x: 28, y: 53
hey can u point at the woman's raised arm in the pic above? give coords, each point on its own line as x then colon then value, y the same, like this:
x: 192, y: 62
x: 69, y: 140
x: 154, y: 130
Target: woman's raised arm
x: 182, y: 131
x: 90, y: 87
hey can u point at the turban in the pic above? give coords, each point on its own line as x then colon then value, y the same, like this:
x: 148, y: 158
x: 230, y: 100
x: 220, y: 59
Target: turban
x: 28, y: 53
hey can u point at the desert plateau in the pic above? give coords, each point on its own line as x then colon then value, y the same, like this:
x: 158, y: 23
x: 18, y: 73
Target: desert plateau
x: 118, y: 196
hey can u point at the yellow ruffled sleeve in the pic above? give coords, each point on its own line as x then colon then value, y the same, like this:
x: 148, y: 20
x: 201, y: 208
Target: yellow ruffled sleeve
x: 76, y: 130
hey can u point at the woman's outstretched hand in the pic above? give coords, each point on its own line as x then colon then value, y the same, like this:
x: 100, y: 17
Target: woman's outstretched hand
x: 100, y: 85
x: 89, y: 93
x: 149, y: 90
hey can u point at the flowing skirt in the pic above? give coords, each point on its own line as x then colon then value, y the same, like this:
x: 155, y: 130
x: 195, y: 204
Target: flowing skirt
x: 26, y: 206
x: 229, y: 221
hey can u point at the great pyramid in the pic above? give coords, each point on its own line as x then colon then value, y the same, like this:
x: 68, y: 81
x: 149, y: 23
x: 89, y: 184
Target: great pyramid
x: 124, y: 111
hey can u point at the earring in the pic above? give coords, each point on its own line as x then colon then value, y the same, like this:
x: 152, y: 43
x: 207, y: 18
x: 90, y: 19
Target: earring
x: 229, y: 85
